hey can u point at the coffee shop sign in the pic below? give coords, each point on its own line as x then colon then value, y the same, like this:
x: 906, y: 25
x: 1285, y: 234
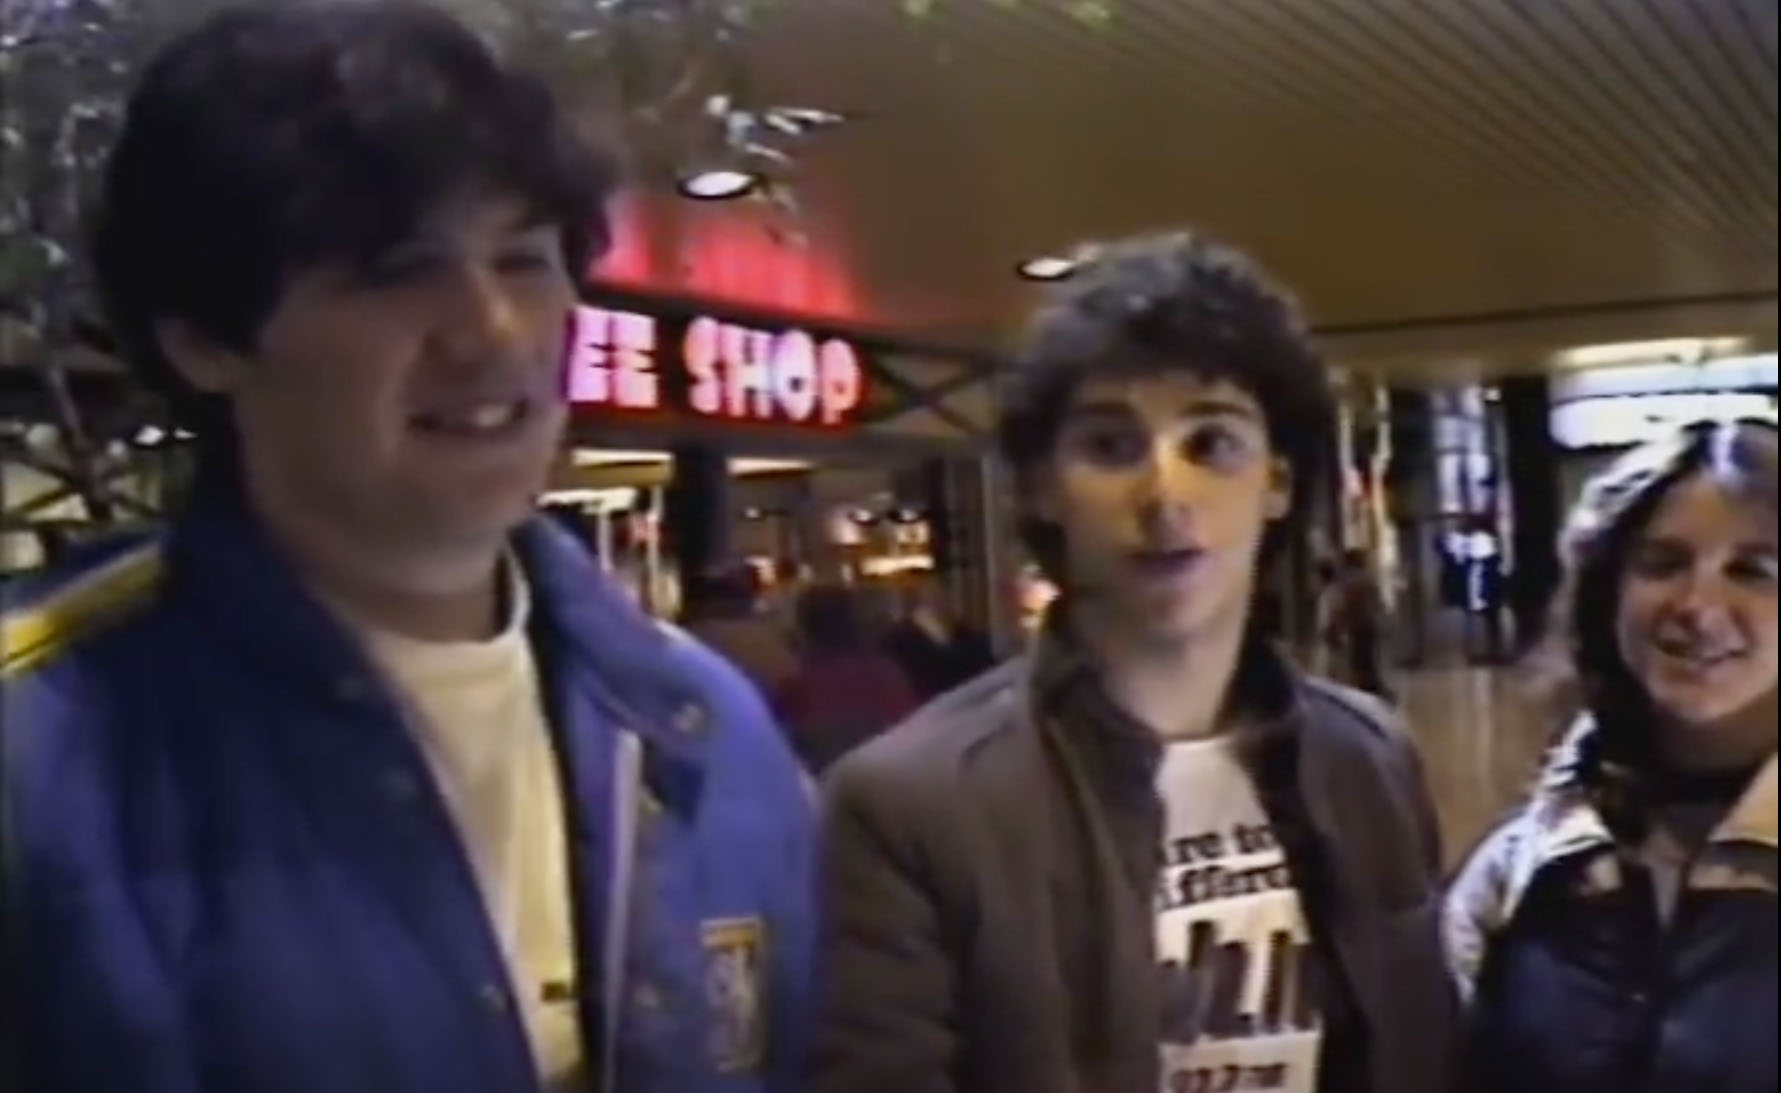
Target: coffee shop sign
x: 729, y: 371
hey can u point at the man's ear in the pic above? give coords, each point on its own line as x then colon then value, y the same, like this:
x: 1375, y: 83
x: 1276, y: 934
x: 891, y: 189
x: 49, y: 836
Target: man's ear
x: 1279, y: 501
x: 208, y: 367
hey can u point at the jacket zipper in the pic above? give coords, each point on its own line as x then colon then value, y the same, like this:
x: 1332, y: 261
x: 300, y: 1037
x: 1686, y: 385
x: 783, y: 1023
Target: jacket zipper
x: 626, y: 799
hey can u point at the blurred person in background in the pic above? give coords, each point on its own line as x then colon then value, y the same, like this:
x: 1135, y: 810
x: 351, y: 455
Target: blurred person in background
x: 936, y: 650
x: 1355, y: 624
x: 362, y: 778
x: 727, y: 611
x: 790, y: 578
x: 878, y: 604
x: 1150, y: 856
x: 1322, y: 657
x: 844, y: 691
x: 1619, y: 931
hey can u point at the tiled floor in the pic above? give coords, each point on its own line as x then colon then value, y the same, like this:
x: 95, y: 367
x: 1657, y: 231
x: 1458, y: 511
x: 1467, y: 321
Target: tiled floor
x: 1481, y: 742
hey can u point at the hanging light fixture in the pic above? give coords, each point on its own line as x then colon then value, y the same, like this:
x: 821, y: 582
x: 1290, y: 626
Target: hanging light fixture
x: 718, y: 184
x: 1048, y: 267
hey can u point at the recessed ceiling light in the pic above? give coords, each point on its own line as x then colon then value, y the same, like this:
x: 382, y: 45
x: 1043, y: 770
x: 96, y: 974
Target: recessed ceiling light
x: 1662, y: 351
x: 724, y: 184
x: 1046, y: 268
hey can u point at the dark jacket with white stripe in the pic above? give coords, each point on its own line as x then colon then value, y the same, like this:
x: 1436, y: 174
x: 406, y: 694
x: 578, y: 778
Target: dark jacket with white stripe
x: 1579, y: 982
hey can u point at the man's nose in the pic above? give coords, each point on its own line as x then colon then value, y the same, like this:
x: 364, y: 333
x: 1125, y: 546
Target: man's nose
x: 481, y: 315
x: 1170, y: 485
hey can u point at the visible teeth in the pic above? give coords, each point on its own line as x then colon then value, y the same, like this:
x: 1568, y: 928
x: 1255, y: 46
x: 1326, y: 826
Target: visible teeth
x: 493, y: 415
x: 1700, y: 657
x: 484, y: 417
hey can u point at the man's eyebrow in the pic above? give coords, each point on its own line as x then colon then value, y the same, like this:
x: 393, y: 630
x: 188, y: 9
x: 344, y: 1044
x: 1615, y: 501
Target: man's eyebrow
x: 531, y: 220
x: 1213, y: 406
x: 1105, y: 406
x: 1099, y: 406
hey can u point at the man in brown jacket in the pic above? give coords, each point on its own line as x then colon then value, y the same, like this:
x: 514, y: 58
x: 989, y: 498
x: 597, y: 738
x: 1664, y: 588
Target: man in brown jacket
x: 1150, y: 856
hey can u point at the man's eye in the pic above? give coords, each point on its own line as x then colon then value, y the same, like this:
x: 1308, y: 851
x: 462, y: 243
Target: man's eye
x: 1216, y: 445
x: 531, y: 260
x: 1111, y: 446
x: 397, y: 268
x: 1753, y: 569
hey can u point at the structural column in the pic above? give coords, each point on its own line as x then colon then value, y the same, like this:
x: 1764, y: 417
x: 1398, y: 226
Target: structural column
x: 949, y: 491
x: 1532, y: 460
x: 1411, y: 491
x: 696, y: 514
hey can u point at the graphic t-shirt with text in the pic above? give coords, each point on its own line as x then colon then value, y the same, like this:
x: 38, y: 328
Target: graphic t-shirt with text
x: 1239, y: 1006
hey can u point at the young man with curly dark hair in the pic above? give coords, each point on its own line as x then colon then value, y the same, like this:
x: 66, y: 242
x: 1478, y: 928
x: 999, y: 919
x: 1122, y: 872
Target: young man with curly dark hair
x: 362, y: 777
x: 1149, y: 856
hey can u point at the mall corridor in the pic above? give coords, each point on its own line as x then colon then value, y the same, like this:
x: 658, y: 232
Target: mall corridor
x: 1481, y: 738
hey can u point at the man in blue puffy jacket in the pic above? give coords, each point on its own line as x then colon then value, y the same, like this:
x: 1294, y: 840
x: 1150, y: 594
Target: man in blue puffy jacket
x: 360, y: 778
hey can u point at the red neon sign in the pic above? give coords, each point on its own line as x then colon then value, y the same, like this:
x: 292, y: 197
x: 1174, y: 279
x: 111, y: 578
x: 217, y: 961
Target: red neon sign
x: 611, y: 360
x: 731, y: 372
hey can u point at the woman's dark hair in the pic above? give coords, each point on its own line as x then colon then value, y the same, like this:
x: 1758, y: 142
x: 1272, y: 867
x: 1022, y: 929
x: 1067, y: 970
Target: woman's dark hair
x: 277, y: 136
x: 1155, y: 305
x: 831, y: 619
x: 1583, y: 659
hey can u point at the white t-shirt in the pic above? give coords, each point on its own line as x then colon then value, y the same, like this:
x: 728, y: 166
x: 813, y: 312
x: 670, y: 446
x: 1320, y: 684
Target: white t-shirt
x: 1238, y: 1013
x: 477, y: 711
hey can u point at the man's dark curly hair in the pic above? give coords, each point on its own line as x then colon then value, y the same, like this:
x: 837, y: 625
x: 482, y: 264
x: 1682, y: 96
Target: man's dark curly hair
x: 276, y: 136
x: 1176, y: 302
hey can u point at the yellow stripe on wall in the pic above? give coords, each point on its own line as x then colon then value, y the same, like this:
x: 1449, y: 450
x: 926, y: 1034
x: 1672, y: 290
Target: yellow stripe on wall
x: 32, y: 635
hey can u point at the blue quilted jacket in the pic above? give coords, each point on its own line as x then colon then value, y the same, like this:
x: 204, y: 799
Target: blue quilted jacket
x: 227, y: 870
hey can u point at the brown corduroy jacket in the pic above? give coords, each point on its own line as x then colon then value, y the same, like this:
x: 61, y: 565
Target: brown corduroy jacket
x: 990, y: 872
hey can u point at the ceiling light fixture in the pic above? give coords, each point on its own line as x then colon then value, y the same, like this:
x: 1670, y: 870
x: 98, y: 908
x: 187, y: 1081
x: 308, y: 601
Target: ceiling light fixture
x: 1661, y: 351
x: 722, y: 184
x: 1046, y: 268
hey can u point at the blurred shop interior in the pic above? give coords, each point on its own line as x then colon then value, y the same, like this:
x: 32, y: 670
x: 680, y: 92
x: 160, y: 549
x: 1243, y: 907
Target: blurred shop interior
x: 789, y: 520
x: 1454, y: 492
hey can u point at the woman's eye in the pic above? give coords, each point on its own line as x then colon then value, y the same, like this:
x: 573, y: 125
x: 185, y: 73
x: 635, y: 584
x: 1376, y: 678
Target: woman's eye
x: 1657, y: 560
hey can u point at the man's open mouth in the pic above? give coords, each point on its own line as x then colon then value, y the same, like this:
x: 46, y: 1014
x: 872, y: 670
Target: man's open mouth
x: 1169, y: 562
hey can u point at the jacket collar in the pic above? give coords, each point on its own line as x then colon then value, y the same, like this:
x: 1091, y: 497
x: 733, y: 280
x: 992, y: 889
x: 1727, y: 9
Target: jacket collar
x: 1265, y: 692
x: 1560, y: 821
x: 220, y: 554
x: 1064, y: 696
x: 1752, y: 819
x: 1568, y: 822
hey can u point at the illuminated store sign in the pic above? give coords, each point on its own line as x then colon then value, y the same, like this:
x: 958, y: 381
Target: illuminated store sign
x: 1618, y: 421
x: 1615, y: 407
x: 711, y: 369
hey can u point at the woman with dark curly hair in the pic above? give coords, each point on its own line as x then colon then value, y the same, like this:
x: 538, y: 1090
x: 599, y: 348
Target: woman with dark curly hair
x: 1619, y: 932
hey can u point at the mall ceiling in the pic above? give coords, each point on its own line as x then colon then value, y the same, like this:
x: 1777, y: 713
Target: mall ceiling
x: 1457, y: 185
